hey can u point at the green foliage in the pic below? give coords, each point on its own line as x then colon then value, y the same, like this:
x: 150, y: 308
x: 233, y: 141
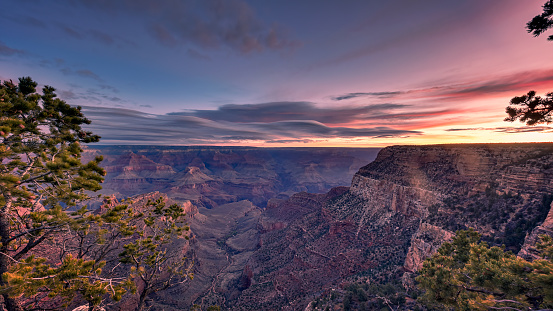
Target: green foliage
x: 469, y: 275
x: 155, y: 265
x: 197, y: 307
x: 40, y: 138
x: 50, y: 257
x: 40, y: 169
x: 136, y: 235
x: 361, y: 295
x: 57, y: 285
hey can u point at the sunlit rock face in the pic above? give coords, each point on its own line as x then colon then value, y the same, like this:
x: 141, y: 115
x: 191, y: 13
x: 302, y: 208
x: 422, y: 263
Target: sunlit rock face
x: 502, y: 190
x: 468, y: 167
x: 424, y: 243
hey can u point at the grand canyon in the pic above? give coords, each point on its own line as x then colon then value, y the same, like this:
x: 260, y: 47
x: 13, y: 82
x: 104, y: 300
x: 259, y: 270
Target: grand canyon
x: 210, y: 155
x: 278, y: 229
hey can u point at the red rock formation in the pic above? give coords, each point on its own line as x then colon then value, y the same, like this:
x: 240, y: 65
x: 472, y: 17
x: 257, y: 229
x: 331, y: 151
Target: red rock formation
x: 218, y: 175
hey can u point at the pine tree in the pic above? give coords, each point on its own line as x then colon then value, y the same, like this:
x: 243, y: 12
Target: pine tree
x: 530, y: 108
x: 155, y: 265
x: 469, y: 275
x: 51, y: 257
x: 41, y: 173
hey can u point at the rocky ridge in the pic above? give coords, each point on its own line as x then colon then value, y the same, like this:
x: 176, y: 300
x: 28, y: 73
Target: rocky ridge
x: 211, y: 176
x: 397, y: 211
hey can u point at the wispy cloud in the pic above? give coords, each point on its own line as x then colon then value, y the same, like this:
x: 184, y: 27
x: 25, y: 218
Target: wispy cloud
x: 415, y: 114
x: 80, y: 33
x: 288, y: 111
x: 96, y: 96
x: 208, y: 24
x: 84, y: 73
x: 375, y: 94
x: 9, y: 51
x: 116, y: 125
x: 492, y: 85
x: 197, y: 55
x: 56, y: 63
x: 507, y: 129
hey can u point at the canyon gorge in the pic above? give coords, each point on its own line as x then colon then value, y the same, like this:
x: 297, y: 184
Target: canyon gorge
x: 279, y: 228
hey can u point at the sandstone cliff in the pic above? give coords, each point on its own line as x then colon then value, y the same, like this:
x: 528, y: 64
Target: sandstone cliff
x: 502, y: 190
x: 424, y: 243
x: 397, y: 212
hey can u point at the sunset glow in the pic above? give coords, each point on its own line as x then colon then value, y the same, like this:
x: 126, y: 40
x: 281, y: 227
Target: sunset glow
x: 284, y: 73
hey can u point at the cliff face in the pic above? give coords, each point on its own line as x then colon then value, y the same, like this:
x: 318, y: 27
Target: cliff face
x: 398, y: 211
x: 424, y: 243
x: 528, y: 249
x: 470, y: 168
x: 502, y: 190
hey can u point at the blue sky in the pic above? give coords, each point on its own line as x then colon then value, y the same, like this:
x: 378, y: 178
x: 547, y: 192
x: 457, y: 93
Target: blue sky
x: 284, y: 73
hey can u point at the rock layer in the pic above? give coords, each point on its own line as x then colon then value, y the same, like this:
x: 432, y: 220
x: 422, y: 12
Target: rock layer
x: 210, y: 176
x: 397, y: 212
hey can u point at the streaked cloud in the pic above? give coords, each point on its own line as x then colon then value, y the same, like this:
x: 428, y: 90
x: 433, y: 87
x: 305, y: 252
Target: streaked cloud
x: 9, y: 51
x: 197, y: 55
x: 98, y: 96
x: 375, y: 94
x: 84, y: 73
x: 507, y: 129
x: 287, y: 111
x: 282, y: 72
x: 466, y: 90
x: 99, y: 36
x: 132, y: 126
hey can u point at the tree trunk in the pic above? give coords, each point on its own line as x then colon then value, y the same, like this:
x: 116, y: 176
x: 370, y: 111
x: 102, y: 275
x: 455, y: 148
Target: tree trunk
x: 10, y: 304
x: 143, y: 295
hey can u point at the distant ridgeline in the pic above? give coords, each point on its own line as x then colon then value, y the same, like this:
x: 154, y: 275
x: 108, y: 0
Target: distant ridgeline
x: 336, y: 248
x: 210, y: 176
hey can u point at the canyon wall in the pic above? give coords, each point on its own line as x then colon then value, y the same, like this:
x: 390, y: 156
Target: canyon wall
x: 210, y: 176
x: 396, y: 212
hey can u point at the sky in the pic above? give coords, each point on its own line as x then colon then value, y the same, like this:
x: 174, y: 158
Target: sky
x: 284, y: 73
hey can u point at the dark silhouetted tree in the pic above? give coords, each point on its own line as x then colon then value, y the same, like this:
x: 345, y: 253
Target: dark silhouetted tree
x: 530, y: 108
x: 541, y: 23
